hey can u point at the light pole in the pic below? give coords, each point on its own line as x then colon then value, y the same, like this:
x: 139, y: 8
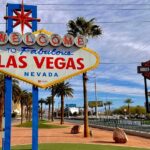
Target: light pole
x: 96, y: 97
x: 125, y: 110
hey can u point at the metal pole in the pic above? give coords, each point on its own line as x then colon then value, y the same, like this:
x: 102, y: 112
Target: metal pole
x: 34, y: 118
x: 96, y: 99
x: 35, y: 95
x: 8, y: 93
x: 146, y: 96
x: 7, y: 109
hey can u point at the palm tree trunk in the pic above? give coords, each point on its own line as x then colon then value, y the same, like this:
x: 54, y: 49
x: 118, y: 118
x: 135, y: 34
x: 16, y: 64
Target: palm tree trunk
x: 62, y: 109
x: 21, y: 113
x: 41, y: 111
x: 26, y: 113
x: 1, y: 112
x: 52, y: 118
x: 128, y: 109
x: 86, y: 132
x: 49, y: 111
x: 29, y: 113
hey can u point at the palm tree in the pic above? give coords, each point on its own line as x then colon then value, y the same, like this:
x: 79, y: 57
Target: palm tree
x: 128, y: 102
x: 89, y: 29
x: 49, y: 102
x: 28, y: 104
x: 23, y: 100
x: 53, y: 93
x: 41, y: 102
x: 109, y: 103
x: 16, y: 91
x: 105, y: 104
x: 63, y: 90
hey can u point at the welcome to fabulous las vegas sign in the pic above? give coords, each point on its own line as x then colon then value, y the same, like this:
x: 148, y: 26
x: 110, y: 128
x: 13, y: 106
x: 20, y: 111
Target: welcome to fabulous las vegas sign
x: 44, y: 60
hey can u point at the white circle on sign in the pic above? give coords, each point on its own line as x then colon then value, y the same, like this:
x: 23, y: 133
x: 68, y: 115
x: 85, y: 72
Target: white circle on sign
x: 15, y: 38
x: 29, y: 39
x: 68, y: 40
x: 42, y: 39
x: 80, y: 41
x: 55, y: 40
x: 3, y: 38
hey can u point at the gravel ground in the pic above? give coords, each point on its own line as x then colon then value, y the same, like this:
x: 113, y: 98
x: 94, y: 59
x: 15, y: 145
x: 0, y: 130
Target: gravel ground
x: 21, y: 136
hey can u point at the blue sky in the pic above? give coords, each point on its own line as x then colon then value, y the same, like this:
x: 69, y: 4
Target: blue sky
x: 122, y: 47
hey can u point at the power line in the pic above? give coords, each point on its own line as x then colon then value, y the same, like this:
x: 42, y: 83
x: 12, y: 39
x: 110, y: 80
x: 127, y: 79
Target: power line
x: 117, y: 22
x: 103, y: 22
x: 81, y: 4
x: 89, y: 4
x: 87, y: 9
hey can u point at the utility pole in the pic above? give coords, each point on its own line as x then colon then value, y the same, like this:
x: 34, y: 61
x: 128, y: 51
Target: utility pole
x: 146, y: 96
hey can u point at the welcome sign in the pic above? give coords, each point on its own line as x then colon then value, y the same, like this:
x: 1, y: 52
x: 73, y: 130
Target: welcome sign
x: 42, y: 63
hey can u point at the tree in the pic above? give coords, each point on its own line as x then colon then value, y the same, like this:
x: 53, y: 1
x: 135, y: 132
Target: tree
x: 23, y: 98
x: 53, y: 96
x: 109, y: 103
x: 89, y: 29
x: 134, y: 110
x: 41, y: 102
x: 16, y: 91
x: 63, y: 90
x: 53, y: 93
x: 95, y: 104
x: 105, y: 104
x: 128, y: 102
x: 28, y: 104
x: 49, y: 102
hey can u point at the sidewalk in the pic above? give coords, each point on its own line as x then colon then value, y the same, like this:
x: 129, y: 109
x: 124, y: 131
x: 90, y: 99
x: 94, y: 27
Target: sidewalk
x: 23, y: 136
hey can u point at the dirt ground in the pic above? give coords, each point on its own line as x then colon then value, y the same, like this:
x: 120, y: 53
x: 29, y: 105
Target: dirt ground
x: 23, y: 136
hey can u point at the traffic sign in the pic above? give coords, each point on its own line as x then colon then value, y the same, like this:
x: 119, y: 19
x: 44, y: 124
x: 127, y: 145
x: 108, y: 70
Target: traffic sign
x: 71, y: 105
x: 144, y: 69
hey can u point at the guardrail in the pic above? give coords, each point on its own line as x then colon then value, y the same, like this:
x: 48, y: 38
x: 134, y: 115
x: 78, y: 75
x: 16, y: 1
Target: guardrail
x: 126, y: 124
x: 135, y: 125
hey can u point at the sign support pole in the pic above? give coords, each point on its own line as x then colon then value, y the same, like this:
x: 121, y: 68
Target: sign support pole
x: 8, y: 97
x: 7, y: 108
x: 35, y: 104
x: 34, y: 118
x: 146, y: 96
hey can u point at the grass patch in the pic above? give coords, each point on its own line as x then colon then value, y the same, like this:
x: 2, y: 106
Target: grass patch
x: 42, y: 125
x: 75, y: 147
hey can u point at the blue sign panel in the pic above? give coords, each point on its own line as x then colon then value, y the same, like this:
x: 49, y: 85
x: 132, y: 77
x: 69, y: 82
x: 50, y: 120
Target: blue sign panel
x: 71, y: 105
